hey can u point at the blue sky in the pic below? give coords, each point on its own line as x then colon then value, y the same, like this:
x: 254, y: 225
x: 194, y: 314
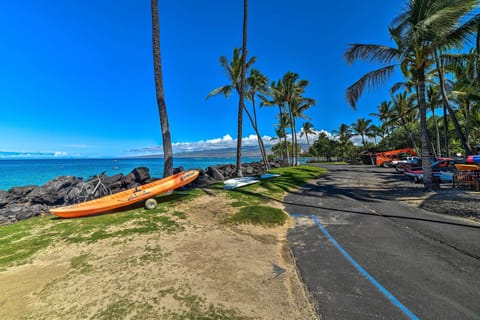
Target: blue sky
x: 76, y: 76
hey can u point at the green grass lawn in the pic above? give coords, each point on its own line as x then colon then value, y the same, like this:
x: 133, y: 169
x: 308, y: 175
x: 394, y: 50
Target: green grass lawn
x: 251, y: 199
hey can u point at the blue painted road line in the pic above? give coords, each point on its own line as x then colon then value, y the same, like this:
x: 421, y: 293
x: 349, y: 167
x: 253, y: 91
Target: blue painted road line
x: 362, y: 271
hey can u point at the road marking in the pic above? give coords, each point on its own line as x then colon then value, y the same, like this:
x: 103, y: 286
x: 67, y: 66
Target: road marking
x: 357, y: 266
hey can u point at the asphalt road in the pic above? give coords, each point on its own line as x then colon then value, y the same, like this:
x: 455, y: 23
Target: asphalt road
x: 363, y: 255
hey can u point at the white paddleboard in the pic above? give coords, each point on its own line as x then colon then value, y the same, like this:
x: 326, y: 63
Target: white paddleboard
x: 239, y: 182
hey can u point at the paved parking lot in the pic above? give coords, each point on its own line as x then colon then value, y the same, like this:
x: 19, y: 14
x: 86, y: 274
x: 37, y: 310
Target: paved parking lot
x: 365, y: 255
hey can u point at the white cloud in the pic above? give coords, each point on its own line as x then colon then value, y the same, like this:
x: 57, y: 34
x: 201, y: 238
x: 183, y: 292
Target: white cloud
x: 356, y: 140
x: 60, y: 154
x: 311, y: 137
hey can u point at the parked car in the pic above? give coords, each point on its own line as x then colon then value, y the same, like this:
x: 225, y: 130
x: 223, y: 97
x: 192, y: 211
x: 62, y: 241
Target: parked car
x: 443, y: 170
x: 408, y: 163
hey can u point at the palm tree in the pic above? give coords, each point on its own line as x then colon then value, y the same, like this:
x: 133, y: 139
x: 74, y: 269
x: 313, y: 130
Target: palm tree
x: 465, y: 91
x: 448, y: 40
x: 385, y: 113
x: 343, y: 135
x: 423, y: 26
x: 307, y: 129
x: 274, y: 96
x: 162, y: 109
x: 234, y: 74
x: 283, y: 123
x: 296, y: 104
x: 280, y: 132
x: 447, y: 105
x: 404, y: 112
x: 376, y: 131
x: 361, y: 127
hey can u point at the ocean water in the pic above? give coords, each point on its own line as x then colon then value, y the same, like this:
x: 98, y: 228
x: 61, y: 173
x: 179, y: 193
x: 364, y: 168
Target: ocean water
x: 37, y: 172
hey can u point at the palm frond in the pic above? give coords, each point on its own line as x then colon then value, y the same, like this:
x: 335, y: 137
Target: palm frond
x: 371, y: 52
x: 225, y: 90
x: 452, y: 60
x: 371, y: 79
x: 399, y: 85
x: 461, y: 34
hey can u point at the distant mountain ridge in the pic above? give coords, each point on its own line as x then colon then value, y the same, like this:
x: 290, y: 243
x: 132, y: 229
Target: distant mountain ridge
x: 250, y: 151
x: 25, y: 154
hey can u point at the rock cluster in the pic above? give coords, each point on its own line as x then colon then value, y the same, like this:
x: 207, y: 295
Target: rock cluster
x: 20, y: 203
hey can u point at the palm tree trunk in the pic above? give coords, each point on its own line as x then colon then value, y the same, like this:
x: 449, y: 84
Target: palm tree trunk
x: 437, y: 134
x: 445, y: 131
x: 292, y: 128
x: 427, y: 168
x: 283, y: 125
x: 162, y: 109
x: 467, y: 121
x: 259, y: 139
x: 477, y: 50
x: 295, y: 144
x: 241, y: 103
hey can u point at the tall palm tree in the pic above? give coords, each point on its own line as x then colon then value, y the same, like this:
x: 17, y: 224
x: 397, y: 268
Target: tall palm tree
x: 423, y: 26
x: 234, y: 74
x: 296, y: 104
x: 241, y: 102
x: 307, y: 129
x: 274, y: 97
x: 162, y: 108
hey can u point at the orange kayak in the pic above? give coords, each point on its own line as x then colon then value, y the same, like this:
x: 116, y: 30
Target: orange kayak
x: 127, y: 197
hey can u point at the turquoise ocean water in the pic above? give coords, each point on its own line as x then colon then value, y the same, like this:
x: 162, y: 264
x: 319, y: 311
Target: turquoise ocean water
x: 37, y: 172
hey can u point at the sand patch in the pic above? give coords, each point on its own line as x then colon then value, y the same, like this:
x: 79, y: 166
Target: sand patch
x: 209, y: 267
